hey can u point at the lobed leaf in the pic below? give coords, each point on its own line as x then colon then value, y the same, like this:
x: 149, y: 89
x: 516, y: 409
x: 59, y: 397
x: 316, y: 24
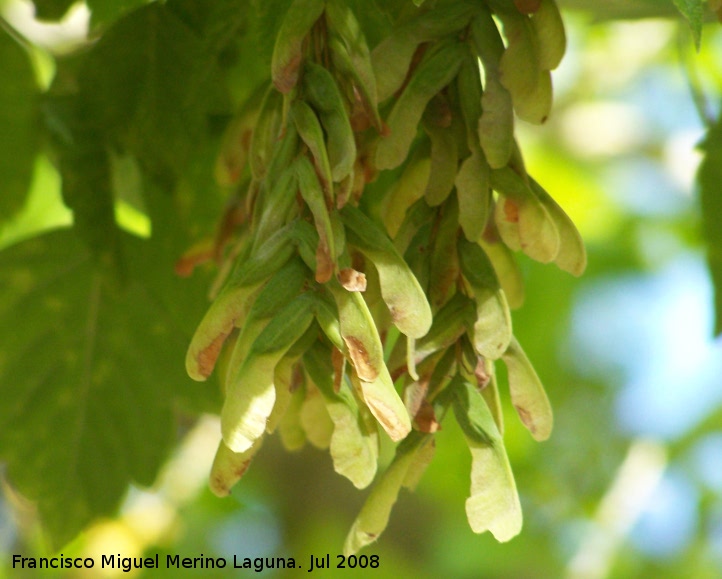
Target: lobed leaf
x: 75, y: 430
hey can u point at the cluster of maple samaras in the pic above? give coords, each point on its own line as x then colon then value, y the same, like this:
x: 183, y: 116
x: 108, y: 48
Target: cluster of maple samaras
x: 346, y: 307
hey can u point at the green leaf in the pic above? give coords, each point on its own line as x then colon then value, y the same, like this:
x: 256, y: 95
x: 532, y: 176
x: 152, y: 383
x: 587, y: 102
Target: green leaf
x: 693, y: 11
x: 709, y: 178
x: 150, y: 83
x: 18, y: 124
x: 217, y: 22
x: 90, y: 373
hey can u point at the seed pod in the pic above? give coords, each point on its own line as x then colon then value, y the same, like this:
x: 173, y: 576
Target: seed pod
x: 494, y: 502
x: 291, y: 433
x: 283, y: 286
x: 488, y: 385
x: 468, y: 87
x: 527, y: 393
x: 421, y: 460
x: 535, y: 106
x: 522, y: 220
x: 444, y: 263
x: 278, y: 206
x: 492, y: 329
x: 310, y: 131
x: 444, y: 163
x: 345, y: 188
x: 343, y: 24
x: 416, y: 255
x: 416, y: 216
x: 223, y: 363
x: 374, y: 515
x: 265, y: 134
x: 315, y: 420
x: 519, y: 68
x: 228, y: 467
x: 472, y: 181
x: 436, y: 70
x: 470, y: 411
x: 506, y: 220
x: 233, y: 155
x: 392, y: 57
x: 385, y: 404
x: 312, y: 194
x: 572, y: 256
x: 322, y: 93
x: 305, y: 239
x: 353, y: 448
x: 288, y: 50
x: 496, y: 124
x: 327, y: 318
x: 507, y: 271
x: 251, y: 394
x: 285, y: 150
x: 391, y: 60
x: 249, y: 401
x: 450, y: 322
x: 363, y: 348
x: 487, y: 41
x: 362, y: 89
x: 473, y: 190
x: 410, y: 310
x: 549, y: 27
x: 232, y: 303
x: 283, y: 384
x: 358, y: 332
x: 408, y: 189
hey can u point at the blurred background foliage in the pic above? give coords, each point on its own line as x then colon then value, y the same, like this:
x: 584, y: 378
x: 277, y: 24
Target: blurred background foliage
x: 629, y: 485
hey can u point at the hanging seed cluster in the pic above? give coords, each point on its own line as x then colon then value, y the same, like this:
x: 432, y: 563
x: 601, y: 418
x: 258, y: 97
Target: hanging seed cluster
x: 344, y: 313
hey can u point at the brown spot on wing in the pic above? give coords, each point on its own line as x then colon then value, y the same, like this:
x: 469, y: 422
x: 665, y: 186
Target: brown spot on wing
x: 352, y: 280
x: 337, y: 359
x: 425, y: 418
x: 388, y: 419
x: 360, y: 358
x: 511, y: 211
x: 324, y: 263
x: 526, y: 418
x: 207, y: 356
x: 482, y: 375
x: 288, y: 77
